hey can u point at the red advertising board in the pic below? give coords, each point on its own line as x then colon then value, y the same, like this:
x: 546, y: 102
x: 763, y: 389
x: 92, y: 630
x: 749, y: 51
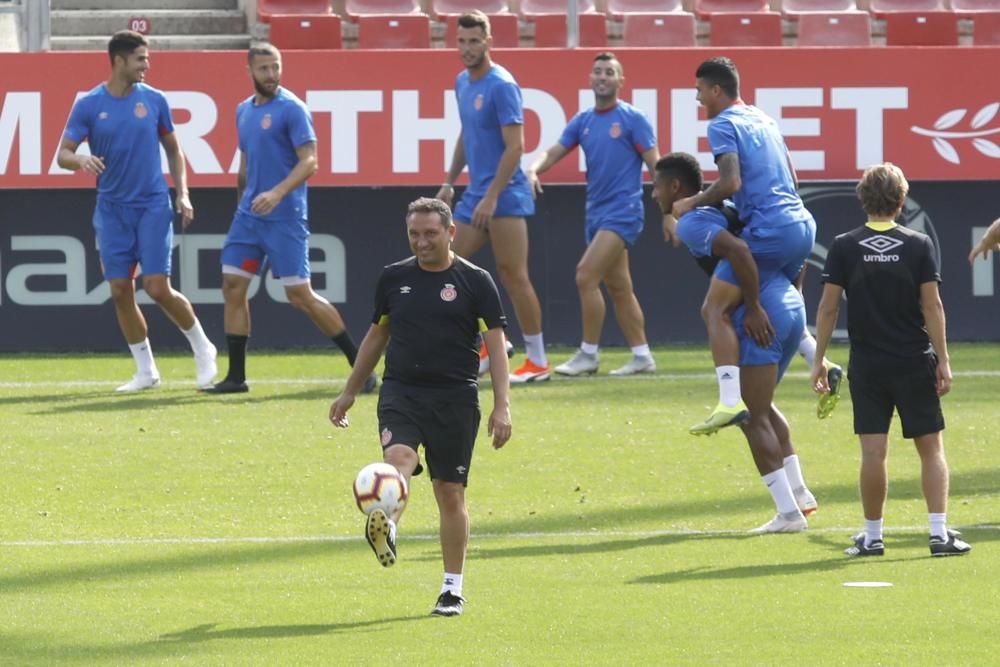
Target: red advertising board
x: 389, y: 118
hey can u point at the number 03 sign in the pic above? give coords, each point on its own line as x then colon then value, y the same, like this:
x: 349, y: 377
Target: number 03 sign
x: 140, y: 24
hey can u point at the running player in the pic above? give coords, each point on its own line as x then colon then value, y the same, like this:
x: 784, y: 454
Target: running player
x: 617, y: 139
x: 429, y: 312
x: 125, y: 122
x: 277, y: 156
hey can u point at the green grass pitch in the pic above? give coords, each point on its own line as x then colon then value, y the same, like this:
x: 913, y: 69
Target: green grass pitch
x: 173, y: 528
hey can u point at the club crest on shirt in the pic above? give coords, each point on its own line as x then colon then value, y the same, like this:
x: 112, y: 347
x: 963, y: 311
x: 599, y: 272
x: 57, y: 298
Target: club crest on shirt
x: 449, y: 292
x: 616, y: 130
x: 386, y: 436
x: 102, y: 116
x: 478, y: 102
x: 265, y: 122
x: 140, y: 110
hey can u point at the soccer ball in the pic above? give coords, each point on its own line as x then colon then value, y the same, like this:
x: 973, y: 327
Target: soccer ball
x: 380, y: 485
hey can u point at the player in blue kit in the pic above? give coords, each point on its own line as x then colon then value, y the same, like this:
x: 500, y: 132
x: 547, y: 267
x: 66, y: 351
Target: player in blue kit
x: 277, y: 156
x: 763, y: 360
x: 124, y: 122
x: 617, y: 139
x: 756, y: 171
x: 495, y: 204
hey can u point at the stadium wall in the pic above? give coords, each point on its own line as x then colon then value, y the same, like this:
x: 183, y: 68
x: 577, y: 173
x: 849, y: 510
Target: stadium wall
x: 386, y: 123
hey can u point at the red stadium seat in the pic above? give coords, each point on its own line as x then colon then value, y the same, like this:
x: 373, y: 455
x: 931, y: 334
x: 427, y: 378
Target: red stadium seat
x: 836, y: 29
x: 306, y: 31
x: 674, y: 29
x: 882, y: 8
x: 705, y: 8
x: 505, y: 28
x: 356, y: 8
x: 618, y: 9
x: 532, y: 8
x: 443, y: 8
x: 410, y: 31
x: 793, y: 8
x: 755, y: 29
x: 268, y: 8
x: 921, y: 29
x: 550, y: 30
x: 986, y: 28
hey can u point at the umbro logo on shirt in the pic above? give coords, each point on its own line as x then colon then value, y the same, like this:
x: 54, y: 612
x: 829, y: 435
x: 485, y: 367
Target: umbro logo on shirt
x: 881, y: 245
x: 405, y: 289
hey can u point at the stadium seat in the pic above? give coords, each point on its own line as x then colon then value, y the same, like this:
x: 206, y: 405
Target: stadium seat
x: 794, y: 8
x: 445, y: 8
x: 550, y: 30
x: 921, y: 29
x: 410, y: 31
x: 268, y: 8
x: 755, y: 29
x: 882, y: 8
x: 531, y: 8
x: 836, y: 29
x: 972, y: 8
x: 703, y: 9
x: 356, y: 8
x: 618, y: 9
x: 986, y: 28
x: 506, y: 30
x: 674, y: 29
x: 306, y: 31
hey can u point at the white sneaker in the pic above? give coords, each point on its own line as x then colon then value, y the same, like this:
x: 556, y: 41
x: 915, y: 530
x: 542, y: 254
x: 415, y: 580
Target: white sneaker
x: 139, y: 382
x: 636, y: 365
x: 581, y: 364
x: 805, y: 500
x: 206, y: 368
x: 783, y: 523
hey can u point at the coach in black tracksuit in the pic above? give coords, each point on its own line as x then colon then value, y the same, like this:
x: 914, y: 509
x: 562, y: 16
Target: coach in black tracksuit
x: 430, y: 311
x: 899, y: 353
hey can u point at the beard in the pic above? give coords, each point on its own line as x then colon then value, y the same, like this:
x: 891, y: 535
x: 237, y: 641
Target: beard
x: 263, y: 91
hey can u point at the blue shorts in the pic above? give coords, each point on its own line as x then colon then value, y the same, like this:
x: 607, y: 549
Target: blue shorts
x: 285, y: 243
x: 788, y: 327
x: 130, y: 235
x: 513, y: 202
x: 783, y: 249
x: 628, y: 230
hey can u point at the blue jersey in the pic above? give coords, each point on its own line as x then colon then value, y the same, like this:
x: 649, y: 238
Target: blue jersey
x: 269, y: 134
x: 125, y: 133
x: 699, y: 227
x: 486, y: 106
x: 787, y: 312
x: 613, y: 141
x: 767, y: 196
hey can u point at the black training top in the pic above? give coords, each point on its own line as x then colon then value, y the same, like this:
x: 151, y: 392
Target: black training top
x: 434, y: 320
x: 881, y: 273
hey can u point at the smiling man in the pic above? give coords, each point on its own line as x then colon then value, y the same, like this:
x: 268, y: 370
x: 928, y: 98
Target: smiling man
x: 125, y: 122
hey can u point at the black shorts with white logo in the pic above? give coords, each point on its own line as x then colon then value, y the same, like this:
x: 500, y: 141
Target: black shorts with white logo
x: 445, y: 424
x: 908, y: 386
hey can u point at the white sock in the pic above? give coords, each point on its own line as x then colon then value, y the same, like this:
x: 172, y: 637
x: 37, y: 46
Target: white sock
x: 587, y: 348
x: 196, y: 337
x: 535, y: 347
x: 937, y: 522
x: 807, y: 347
x: 777, y: 484
x: 729, y: 385
x: 642, y: 350
x: 143, y: 355
x: 794, y: 472
x: 873, y: 530
x: 453, y: 583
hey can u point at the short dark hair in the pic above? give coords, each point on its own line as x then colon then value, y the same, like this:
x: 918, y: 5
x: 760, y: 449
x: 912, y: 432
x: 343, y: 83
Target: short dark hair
x: 882, y: 190
x: 431, y: 205
x: 262, y: 49
x: 475, y: 19
x: 721, y: 71
x: 609, y: 56
x: 124, y: 42
x: 683, y: 167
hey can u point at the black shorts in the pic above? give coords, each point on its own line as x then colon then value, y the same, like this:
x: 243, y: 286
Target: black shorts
x: 909, y: 387
x: 445, y: 425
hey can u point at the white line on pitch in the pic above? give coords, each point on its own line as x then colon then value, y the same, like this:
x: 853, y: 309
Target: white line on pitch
x: 530, y: 535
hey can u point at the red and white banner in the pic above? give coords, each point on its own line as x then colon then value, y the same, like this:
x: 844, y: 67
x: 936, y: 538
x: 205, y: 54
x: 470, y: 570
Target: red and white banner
x: 389, y: 117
